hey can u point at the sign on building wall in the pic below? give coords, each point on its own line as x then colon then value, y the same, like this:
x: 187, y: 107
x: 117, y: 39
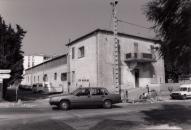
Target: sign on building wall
x: 84, y: 82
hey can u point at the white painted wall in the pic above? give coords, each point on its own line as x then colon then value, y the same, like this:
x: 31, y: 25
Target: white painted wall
x: 86, y: 67
x: 127, y: 77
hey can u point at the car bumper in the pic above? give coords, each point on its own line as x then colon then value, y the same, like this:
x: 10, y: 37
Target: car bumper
x: 176, y: 96
x: 117, y: 101
x: 51, y: 102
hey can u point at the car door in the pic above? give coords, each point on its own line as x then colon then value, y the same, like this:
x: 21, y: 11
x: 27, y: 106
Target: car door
x: 189, y: 92
x: 97, y: 96
x: 82, y: 97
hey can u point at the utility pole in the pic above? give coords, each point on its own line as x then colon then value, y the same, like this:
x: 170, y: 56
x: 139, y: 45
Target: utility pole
x: 69, y: 72
x: 116, y: 46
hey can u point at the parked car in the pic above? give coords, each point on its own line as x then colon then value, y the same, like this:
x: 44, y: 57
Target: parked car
x: 38, y: 88
x: 183, y: 93
x: 49, y: 88
x: 85, y: 97
x: 25, y: 87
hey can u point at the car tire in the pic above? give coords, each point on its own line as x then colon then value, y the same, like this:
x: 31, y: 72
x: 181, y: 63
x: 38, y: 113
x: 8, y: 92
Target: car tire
x: 40, y: 91
x: 64, y: 105
x: 107, y: 104
x: 184, y: 97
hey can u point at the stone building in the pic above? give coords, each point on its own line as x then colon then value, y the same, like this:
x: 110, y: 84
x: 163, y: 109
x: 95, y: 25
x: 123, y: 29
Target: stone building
x: 90, y: 63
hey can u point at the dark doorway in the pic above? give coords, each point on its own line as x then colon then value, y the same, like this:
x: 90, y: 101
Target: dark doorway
x: 136, y: 78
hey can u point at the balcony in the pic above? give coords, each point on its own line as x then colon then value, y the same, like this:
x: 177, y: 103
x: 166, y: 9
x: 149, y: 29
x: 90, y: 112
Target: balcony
x: 140, y: 57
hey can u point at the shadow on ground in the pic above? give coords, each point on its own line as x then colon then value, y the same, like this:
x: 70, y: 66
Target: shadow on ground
x: 172, y: 114
x: 85, y: 107
x: 109, y: 124
x: 37, y: 125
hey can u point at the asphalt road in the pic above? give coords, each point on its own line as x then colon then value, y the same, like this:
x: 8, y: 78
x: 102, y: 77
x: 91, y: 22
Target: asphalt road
x: 166, y: 115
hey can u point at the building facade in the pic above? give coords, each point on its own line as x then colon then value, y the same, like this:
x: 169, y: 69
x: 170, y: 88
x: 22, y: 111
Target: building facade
x: 33, y: 60
x: 53, y: 71
x: 90, y: 62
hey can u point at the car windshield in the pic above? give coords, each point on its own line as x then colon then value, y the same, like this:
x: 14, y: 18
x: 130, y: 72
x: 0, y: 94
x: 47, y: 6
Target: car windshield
x: 75, y: 91
x: 183, y: 89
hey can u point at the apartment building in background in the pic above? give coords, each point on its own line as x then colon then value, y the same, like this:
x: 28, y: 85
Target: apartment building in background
x: 32, y: 60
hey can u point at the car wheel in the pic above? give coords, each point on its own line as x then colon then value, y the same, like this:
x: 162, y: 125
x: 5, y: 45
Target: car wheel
x: 40, y: 91
x: 107, y: 104
x: 64, y: 105
x: 184, y: 97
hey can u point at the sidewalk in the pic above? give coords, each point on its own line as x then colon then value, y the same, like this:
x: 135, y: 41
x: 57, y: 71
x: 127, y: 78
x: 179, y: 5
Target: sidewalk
x: 24, y: 104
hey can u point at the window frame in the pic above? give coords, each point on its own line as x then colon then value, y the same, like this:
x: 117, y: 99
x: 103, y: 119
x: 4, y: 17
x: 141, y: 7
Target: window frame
x: 81, y: 52
x: 63, y: 77
x: 73, y: 52
x: 45, y: 77
x: 55, y: 76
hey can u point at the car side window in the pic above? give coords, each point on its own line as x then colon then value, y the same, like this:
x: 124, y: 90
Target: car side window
x: 104, y: 91
x: 97, y: 92
x: 83, y: 92
x: 189, y: 89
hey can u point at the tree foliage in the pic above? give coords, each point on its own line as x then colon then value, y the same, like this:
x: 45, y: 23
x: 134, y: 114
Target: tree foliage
x: 172, y: 24
x: 11, y: 55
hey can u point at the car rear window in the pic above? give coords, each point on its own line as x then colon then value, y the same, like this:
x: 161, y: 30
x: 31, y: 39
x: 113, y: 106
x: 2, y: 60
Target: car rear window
x: 183, y: 89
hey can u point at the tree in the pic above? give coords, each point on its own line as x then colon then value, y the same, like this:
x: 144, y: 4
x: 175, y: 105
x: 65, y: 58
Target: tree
x: 11, y: 55
x: 172, y: 24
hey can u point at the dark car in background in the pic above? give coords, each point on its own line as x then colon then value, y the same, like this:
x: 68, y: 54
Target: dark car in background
x: 85, y: 97
x: 38, y: 88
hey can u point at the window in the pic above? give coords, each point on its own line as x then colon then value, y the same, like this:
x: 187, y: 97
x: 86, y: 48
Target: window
x: 55, y: 76
x: 183, y: 89
x: 73, y: 76
x: 63, y: 76
x: 81, y: 52
x: 136, y: 49
x: 104, y: 91
x: 83, y: 92
x: 32, y: 61
x: 29, y: 62
x: 73, y: 52
x: 97, y: 92
x: 38, y: 79
x: 45, y: 77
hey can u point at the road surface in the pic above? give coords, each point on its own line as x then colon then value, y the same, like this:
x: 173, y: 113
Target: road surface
x: 166, y: 115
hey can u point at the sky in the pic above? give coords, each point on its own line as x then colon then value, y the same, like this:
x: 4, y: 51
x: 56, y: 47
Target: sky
x: 51, y: 23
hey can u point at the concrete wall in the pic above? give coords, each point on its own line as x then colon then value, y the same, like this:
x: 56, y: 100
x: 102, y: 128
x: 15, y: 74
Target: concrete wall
x: 85, y: 68
x: 149, y: 72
